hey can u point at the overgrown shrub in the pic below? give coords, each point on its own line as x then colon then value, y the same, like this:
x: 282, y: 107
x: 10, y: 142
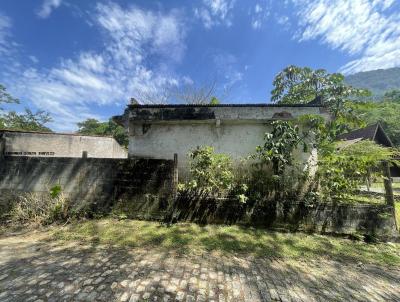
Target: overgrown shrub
x: 342, y: 171
x: 275, y: 174
x: 40, y: 208
x: 211, y: 173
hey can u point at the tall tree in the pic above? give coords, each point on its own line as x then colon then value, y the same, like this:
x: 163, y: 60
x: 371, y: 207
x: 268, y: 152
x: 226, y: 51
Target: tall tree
x: 301, y: 85
x: 94, y: 127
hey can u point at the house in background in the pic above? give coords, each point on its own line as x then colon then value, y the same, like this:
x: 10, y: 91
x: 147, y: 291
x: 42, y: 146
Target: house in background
x: 48, y: 144
x: 160, y: 131
x: 374, y: 133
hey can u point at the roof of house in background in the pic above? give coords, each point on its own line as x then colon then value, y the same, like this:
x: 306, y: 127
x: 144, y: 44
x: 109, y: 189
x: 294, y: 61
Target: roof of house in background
x: 372, y: 132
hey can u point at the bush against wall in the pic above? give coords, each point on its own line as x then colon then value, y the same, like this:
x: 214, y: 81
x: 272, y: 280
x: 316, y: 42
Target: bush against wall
x: 275, y: 173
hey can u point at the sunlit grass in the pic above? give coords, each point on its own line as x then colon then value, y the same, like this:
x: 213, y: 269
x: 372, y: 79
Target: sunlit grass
x: 192, y: 238
x: 364, y: 199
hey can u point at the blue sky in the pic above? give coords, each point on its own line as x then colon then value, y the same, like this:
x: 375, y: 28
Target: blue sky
x: 80, y: 59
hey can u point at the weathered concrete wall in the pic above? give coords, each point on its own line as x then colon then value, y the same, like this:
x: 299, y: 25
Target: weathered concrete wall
x: 59, y: 145
x: 145, y: 188
x: 97, y: 183
x: 320, y: 217
x: 237, y: 140
x: 160, y: 131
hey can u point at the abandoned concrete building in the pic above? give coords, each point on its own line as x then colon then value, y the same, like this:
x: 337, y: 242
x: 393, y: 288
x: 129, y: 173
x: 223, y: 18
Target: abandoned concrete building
x: 47, y: 144
x: 160, y: 131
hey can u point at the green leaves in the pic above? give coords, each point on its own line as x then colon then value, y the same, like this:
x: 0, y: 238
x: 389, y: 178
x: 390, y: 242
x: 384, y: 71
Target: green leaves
x: 296, y: 85
x: 342, y: 172
x: 279, y: 145
x: 94, y: 127
x: 386, y: 112
x: 212, y: 172
x: 29, y: 121
x: 55, y: 191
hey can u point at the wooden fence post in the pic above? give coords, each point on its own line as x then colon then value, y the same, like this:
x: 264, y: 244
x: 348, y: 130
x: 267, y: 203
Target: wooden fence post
x: 387, y: 181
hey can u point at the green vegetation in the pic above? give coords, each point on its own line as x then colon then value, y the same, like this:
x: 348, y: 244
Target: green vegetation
x: 212, y: 176
x: 386, y: 111
x: 94, y: 127
x: 214, y: 101
x: 377, y: 81
x: 192, y: 238
x: 364, y: 199
x: 276, y: 155
x: 28, y: 121
x: 342, y: 172
x: 210, y: 172
x: 301, y: 85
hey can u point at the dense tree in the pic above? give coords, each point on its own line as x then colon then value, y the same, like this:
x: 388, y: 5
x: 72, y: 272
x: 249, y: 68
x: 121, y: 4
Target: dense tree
x: 386, y: 112
x: 301, y: 85
x: 94, y: 127
x: 28, y: 121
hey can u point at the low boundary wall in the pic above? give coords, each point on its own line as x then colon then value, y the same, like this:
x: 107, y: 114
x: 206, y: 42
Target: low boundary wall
x: 146, y: 183
x: 146, y: 189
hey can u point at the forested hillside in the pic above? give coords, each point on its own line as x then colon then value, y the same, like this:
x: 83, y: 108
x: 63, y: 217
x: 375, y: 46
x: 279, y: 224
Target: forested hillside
x: 377, y: 81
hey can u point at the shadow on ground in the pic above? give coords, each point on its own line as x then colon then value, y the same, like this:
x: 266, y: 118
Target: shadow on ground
x: 32, y: 267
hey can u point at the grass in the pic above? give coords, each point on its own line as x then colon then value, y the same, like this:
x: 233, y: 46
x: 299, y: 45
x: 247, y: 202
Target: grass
x: 189, y: 238
x: 395, y: 185
x: 364, y: 199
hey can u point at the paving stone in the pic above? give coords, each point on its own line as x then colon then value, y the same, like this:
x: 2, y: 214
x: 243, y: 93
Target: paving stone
x: 56, y: 272
x: 124, y: 297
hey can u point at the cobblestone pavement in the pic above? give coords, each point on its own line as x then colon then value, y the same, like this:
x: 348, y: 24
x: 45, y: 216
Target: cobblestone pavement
x: 39, y: 270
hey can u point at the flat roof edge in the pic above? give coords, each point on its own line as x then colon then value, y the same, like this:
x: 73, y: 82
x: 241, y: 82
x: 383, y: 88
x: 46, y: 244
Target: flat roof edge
x: 53, y: 133
x: 222, y: 105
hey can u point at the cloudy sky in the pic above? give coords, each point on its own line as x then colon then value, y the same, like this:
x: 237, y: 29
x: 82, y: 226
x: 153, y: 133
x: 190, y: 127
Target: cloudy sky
x: 80, y: 59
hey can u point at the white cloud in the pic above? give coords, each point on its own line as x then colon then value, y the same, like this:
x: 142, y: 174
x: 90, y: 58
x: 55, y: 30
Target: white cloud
x: 227, y: 65
x: 259, y: 13
x: 5, y: 27
x: 47, y: 8
x: 283, y: 21
x: 368, y: 30
x: 132, y: 38
x: 215, y: 12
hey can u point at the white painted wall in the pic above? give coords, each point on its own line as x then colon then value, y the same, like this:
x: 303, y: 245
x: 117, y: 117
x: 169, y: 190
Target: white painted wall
x: 239, y: 140
x: 60, y: 145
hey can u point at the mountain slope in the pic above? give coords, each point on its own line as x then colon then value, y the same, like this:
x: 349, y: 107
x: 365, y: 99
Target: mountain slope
x: 377, y: 81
